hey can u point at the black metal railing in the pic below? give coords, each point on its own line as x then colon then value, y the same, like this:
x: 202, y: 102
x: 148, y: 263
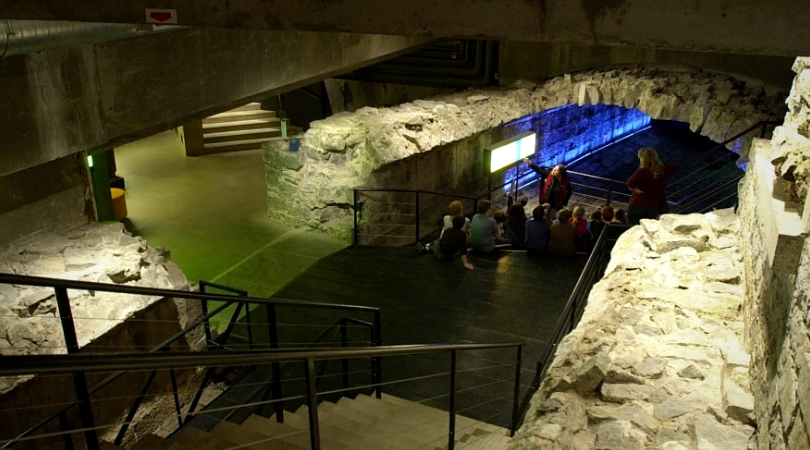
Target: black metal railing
x: 578, y: 300
x: 402, y: 220
x: 83, y: 399
x: 53, y: 365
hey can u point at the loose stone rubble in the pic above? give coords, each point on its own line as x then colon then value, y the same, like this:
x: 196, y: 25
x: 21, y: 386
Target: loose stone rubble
x: 313, y: 187
x: 101, y: 253
x: 656, y: 361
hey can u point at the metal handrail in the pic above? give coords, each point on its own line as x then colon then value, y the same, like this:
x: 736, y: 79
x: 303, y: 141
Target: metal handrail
x: 6, y: 278
x: 83, y: 363
x: 83, y: 393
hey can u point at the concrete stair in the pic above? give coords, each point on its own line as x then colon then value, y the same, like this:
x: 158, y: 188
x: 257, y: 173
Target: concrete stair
x: 350, y: 424
x: 243, y: 128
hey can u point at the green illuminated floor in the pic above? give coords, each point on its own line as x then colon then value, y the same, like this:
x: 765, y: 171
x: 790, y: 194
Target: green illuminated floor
x: 210, y: 212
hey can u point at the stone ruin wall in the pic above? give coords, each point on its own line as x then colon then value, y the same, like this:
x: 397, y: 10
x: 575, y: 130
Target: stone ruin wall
x: 29, y: 319
x: 313, y: 187
x: 657, y: 360
x: 774, y: 220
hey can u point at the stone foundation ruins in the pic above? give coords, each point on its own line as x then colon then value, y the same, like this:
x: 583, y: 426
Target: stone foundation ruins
x: 313, y: 187
x: 657, y: 359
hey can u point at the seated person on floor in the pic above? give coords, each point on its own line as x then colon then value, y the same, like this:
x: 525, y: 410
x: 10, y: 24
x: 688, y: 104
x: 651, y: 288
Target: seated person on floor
x: 620, y: 216
x: 484, y: 231
x: 562, y: 234
x: 500, y: 219
x: 453, y: 242
x: 515, y: 226
x: 456, y: 208
x: 537, y: 232
x: 581, y: 227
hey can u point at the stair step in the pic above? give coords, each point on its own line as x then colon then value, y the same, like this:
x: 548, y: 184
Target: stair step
x: 231, y: 116
x: 239, y: 135
x: 394, y: 434
x: 242, y: 125
x: 250, y: 439
x: 484, y: 441
x: 152, y: 442
x: 295, y: 436
x: 239, y: 142
x: 104, y: 445
x: 252, y: 106
x: 188, y: 437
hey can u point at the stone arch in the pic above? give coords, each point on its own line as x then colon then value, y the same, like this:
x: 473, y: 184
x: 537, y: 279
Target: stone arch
x: 313, y: 187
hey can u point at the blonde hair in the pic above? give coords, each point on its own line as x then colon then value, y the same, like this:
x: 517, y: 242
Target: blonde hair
x: 563, y: 215
x: 648, y: 159
x: 578, y: 214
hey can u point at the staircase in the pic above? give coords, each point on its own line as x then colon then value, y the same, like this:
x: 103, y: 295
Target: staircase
x: 244, y: 128
x: 363, y: 423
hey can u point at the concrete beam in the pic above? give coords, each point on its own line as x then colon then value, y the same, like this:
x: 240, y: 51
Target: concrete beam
x: 64, y: 101
x: 776, y: 27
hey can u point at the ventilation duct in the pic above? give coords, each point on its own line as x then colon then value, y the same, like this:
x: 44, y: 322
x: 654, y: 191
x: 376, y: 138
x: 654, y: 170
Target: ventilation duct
x: 18, y: 37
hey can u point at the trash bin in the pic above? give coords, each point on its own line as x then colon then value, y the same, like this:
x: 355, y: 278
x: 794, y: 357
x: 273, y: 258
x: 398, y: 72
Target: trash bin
x: 294, y: 143
x: 119, y: 204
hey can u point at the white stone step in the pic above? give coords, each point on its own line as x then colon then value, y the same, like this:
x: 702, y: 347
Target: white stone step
x: 295, y: 436
x: 249, y: 439
x: 242, y: 124
x: 363, y: 423
x: 236, y: 142
x: 231, y: 116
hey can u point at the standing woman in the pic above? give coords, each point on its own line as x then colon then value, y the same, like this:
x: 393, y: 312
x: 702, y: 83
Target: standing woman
x: 647, y: 185
x: 556, y: 188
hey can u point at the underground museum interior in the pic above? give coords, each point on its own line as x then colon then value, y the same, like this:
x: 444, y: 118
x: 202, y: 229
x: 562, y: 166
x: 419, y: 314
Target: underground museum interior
x: 209, y: 212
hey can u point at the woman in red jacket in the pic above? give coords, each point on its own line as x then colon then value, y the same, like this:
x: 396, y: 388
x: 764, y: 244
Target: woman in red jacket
x: 556, y: 189
x: 647, y: 185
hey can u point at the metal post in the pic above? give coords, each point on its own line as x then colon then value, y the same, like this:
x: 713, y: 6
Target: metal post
x: 417, y: 216
x: 354, y: 194
x: 207, y: 324
x: 376, y: 362
x: 176, y: 398
x: 609, y: 196
x: 65, y: 426
x: 451, y: 435
x: 249, y: 326
x: 272, y: 328
x: 79, y: 381
x: 344, y: 342
x: 516, y: 393
x: 312, y: 405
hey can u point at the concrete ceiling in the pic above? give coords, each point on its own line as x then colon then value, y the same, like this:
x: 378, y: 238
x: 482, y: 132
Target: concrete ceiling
x: 775, y: 27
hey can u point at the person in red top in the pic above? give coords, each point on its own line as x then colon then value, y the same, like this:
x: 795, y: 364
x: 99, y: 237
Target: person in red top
x: 556, y: 188
x: 647, y: 185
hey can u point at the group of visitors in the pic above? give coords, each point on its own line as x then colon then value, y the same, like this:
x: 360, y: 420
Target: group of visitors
x: 553, y: 229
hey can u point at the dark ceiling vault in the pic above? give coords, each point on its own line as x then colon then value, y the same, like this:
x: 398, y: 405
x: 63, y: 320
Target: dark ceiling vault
x: 446, y: 63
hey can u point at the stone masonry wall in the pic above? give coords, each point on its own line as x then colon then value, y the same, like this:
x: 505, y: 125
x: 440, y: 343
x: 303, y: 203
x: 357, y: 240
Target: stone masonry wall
x: 777, y: 275
x: 313, y: 187
x: 656, y: 361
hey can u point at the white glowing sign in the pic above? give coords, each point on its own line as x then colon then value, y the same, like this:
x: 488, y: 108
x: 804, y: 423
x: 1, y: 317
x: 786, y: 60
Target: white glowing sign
x: 511, y: 151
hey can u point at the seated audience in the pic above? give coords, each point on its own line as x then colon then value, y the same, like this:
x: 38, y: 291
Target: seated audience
x: 620, y: 216
x: 562, y: 234
x: 515, y: 226
x: 484, y: 232
x: 456, y: 209
x: 595, y: 226
x: 537, y: 232
x: 453, y: 242
x: 500, y: 219
x: 580, y: 225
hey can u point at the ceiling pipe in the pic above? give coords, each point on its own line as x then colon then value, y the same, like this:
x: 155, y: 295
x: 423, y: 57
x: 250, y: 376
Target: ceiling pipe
x: 19, y: 37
